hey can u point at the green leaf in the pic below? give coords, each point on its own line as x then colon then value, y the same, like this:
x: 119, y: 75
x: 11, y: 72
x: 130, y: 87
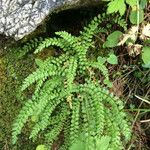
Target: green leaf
x: 116, y: 6
x: 79, y: 145
x: 113, y: 39
x: 112, y: 59
x: 134, y: 16
x: 131, y: 2
x: 103, y: 143
x: 41, y: 147
x: 143, y: 3
x: 82, y: 144
x: 146, y: 56
x: 101, y: 60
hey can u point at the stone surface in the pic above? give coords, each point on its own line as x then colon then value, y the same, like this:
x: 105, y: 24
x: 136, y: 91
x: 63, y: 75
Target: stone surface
x: 19, y: 18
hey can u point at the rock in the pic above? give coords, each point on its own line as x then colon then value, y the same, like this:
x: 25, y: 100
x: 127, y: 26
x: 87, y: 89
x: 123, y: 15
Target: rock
x: 19, y: 18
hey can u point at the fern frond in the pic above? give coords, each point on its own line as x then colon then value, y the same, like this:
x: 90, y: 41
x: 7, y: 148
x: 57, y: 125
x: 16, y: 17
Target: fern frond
x: 89, y: 31
x: 31, y: 45
x: 121, y: 22
x: 71, y: 72
x: 69, y: 99
x: 57, y: 123
x: 66, y: 131
x: 113, y: 131
x: 55, y: 131
x: 39, y: 75
x: 74, y: 128
x: 102, y: 68
x: 48, y: 42
x: 49, y: 68
x: 60, y: 42
x: 26, y: 111
x: 70, y: 39
x: 41, y: 125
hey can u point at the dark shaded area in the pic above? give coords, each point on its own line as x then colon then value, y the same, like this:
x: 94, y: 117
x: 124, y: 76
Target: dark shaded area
x: 71, y: 21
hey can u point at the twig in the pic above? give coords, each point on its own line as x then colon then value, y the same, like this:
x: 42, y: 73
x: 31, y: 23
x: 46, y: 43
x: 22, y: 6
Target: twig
x: 144, y: 121
x: 144, y: 100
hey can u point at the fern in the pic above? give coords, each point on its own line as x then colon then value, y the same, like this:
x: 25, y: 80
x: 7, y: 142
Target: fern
x: 68, y: 97
x: 28, y: 47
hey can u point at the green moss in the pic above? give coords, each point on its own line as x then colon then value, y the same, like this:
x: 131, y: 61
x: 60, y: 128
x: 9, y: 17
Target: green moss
x: 12, y: 72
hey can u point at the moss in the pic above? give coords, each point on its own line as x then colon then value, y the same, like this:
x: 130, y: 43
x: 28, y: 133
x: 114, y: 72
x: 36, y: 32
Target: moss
x: 12, y: 72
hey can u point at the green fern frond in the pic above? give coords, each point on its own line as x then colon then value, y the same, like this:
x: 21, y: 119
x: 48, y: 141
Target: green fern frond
x: 69, y: 99
x: 71, y: 72
x: 24, y: 114
x: 48, y: 42
x: 41, y: 125
x: 39, y: 75
x: 67, y: 37
x: 121, y: 22
x: 101, y: 68
x: 29, y: 46
x: 74, y: 127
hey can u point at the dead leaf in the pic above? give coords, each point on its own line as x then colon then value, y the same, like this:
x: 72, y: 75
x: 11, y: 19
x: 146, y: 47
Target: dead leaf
x: 131, y: 34
x: 145, y: 35
x: 134, y: 49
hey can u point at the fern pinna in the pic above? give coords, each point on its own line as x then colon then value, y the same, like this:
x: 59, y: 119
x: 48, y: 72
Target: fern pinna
x: 68, y: 97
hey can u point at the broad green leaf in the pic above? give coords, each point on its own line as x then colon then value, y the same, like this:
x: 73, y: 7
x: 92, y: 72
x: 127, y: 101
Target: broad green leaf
x: 94, y: 144
x: 116, y: 6
x: 146, y: 56
x: 79, y: 145
x: 103, y: 143
x: 143, y: 3
x: 41, y: 147
x: 134, y: 16
x: 113, y: 39
x: 112, y: 59
x: 101, y: 60
x: 131, y: 2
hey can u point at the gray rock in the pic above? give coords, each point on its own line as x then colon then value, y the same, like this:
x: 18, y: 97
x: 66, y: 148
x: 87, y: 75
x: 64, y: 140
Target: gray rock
x: 19, y: 18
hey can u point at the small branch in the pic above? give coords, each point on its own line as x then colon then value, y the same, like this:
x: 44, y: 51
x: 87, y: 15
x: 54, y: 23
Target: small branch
x: 144, y: 100
x: 144, y: 121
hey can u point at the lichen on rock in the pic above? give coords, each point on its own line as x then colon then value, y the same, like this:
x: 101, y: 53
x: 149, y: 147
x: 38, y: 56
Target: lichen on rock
x: 19, y: 18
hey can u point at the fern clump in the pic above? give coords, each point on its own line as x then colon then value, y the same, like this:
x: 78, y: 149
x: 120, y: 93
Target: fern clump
x: 68, y: 97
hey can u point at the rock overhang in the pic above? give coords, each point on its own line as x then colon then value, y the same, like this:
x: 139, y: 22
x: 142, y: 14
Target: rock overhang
x: 19, y: 18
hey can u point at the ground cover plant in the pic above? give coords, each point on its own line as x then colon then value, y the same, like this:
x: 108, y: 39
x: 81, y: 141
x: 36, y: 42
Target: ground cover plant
x: 86, y: 91
x: 68, y: 77
x: 68, y: 97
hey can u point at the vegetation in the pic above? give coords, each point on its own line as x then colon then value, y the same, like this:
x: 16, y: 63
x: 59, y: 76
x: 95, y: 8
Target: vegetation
x: 85, y: 92
x: 68, y: 97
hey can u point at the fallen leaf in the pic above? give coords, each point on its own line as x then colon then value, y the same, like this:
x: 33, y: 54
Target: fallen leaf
x: 131, y: 34
x: 134, y: 49
x: 145, y: 35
